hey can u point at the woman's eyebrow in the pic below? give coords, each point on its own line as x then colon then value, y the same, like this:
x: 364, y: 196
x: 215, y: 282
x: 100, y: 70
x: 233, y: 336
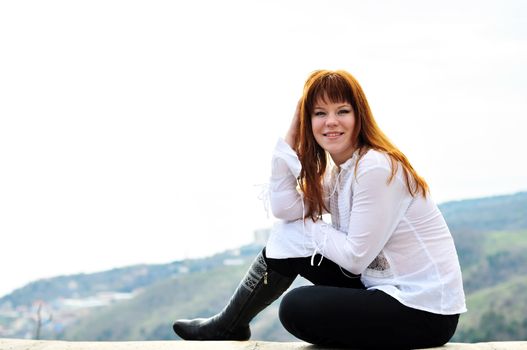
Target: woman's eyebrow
x: 339, y: 106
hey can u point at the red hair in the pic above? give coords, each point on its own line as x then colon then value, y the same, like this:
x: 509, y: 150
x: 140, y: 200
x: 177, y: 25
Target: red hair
x: 341, y: 86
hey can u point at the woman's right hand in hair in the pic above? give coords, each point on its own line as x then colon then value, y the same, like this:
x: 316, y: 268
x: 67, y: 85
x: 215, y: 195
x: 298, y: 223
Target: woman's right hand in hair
x: 292, y: 133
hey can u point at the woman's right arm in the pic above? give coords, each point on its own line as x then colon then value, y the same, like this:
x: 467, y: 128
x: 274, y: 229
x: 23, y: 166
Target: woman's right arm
x: 292, y: 133
x: 286, y: 201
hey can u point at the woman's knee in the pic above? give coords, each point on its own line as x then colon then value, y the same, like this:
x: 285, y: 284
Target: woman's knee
x: 292, y: 311
x: 288, y: 307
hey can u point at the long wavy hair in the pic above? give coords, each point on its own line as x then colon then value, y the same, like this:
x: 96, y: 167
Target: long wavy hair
x: 340, y: 86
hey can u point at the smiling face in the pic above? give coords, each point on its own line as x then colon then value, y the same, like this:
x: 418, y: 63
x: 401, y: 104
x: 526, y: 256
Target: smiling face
x: 332, y: 124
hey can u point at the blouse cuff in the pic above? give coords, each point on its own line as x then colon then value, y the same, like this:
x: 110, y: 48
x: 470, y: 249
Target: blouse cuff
x: 285, y: 161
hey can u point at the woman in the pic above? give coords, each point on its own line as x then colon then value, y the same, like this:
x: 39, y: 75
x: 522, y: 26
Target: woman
x: 385, y: 272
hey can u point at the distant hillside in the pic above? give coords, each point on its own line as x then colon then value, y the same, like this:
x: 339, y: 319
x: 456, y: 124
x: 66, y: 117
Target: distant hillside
x: 496, y: 313
x: 150, y: 315
x: 490, y: 235
x: 503, y: 213
x: 495, y: 293
x: 125, y: 279
x: 70, y: 299
x: 495, y: 257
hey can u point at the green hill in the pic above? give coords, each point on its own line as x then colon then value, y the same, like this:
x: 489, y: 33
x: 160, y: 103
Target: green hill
x: 125, y: 279
x: 490, y: 235
x: 496, y: 313
x: 496, y: 305
x: 498, y: 256
x: 149, y: 316
x: 491, y: 259
x: 497, y: 213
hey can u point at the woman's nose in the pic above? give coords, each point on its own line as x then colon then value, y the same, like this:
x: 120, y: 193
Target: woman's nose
x: 331, y: 119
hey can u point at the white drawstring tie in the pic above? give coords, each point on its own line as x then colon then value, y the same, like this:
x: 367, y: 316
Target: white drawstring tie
x: 264, y: 197
x: 320, y: 248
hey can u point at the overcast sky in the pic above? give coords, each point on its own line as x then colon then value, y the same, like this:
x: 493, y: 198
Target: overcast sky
x: 141, y: 131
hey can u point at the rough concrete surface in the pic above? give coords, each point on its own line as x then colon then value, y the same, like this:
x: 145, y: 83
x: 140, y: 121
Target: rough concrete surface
x: 21, y: 344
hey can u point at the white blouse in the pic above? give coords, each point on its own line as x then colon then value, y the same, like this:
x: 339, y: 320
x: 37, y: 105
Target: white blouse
x: 398, y: 243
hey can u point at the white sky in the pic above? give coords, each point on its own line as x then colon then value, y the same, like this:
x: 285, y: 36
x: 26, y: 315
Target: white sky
x: 138, y: 131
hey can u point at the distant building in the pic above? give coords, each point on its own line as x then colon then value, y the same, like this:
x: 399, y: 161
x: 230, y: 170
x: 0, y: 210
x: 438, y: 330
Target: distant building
x: 233, y: 262
x: 261, y: 236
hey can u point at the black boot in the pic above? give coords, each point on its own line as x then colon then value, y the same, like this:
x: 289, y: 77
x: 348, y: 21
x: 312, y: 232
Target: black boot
x: 258, y: 289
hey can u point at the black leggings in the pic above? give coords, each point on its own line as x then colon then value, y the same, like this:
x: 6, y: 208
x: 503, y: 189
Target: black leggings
x: 338, y: 311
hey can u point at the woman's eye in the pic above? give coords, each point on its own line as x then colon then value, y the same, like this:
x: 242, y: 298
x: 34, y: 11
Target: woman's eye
x: 319, y: 114
x: 344, y: 111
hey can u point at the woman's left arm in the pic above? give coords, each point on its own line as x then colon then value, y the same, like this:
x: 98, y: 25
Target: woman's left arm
x: 377, y: 209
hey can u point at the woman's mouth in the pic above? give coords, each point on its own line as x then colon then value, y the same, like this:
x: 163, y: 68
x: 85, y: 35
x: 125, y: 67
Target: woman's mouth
x: 333, y: 135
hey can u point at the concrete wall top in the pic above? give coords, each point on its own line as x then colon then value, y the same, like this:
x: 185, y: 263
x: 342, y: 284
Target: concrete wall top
x: 21, y: 344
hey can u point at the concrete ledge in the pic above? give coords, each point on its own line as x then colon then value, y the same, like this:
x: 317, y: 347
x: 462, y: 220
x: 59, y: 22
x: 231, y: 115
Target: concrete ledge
x: 22, y: 344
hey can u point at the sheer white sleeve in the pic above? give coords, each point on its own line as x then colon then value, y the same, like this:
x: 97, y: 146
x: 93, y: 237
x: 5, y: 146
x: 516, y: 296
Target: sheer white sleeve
x: 286, y: 201
x: 376, y: 211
